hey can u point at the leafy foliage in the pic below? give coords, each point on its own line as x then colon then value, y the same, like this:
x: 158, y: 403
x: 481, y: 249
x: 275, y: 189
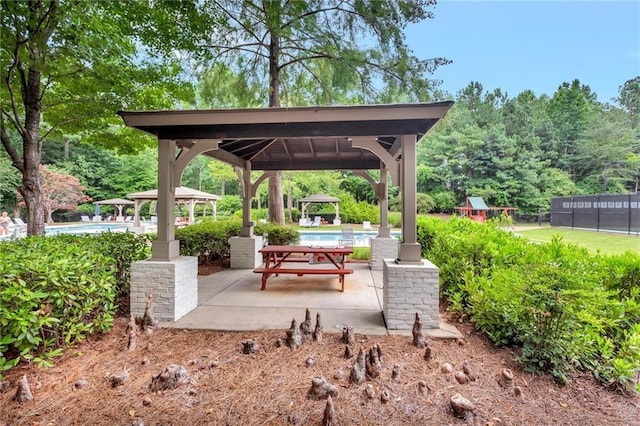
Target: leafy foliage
x: 57, y: 290
x: 209, y: 241
x: 565, y: 307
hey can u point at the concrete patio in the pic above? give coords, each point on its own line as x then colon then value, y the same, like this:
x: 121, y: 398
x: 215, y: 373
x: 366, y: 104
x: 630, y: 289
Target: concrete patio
x: 231, y: 300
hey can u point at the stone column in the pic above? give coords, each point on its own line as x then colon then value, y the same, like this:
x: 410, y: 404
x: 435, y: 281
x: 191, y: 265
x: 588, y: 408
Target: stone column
x: 409, y: 289
x: 173, y: 285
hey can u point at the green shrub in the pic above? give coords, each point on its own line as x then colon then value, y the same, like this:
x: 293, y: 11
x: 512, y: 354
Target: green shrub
x: 361, y: 253
x: 123, y: 248
x: 352, y: 211
x: 209, y: 241
x: 445, y: 202
x: 276, y: 234
x: 227, y: 205
x: 54, y: 291
x: 563, y: 306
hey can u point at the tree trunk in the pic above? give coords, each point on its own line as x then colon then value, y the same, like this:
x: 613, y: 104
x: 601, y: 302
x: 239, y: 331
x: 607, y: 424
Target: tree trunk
x: 67, y: 142
x: 289, y: 198
x: 276, y: 202
x: 44, y: 20
x: 31, y: 187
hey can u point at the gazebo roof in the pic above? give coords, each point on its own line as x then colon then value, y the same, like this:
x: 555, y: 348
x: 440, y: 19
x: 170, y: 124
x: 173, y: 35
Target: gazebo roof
x: 182, y: 193
x: 320, y: 198
x: 299, y: 138
x: 115, y: 202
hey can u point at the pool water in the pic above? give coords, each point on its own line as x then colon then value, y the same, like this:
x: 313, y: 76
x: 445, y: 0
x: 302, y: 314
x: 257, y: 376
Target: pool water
x: 85, y: 229
x: 332, y: 238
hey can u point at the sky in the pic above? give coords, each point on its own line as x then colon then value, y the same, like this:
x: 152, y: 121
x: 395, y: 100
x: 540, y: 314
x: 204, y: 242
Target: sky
x: 537, y: 45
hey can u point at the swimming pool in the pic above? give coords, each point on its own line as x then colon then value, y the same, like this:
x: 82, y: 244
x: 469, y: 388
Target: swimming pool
x: 85, y: 228
x: 332, y: 238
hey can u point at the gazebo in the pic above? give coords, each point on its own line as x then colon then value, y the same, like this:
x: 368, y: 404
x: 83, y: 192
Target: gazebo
x: 183, y: 195
x: 266, y: 141
x: 119, y: 204
x: 321, y: 198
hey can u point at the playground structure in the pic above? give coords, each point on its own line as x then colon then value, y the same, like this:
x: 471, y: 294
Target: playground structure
x: 476, y: 209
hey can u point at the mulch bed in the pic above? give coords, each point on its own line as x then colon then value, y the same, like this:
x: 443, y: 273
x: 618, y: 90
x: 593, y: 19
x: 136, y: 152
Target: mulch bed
x: 270, y: 386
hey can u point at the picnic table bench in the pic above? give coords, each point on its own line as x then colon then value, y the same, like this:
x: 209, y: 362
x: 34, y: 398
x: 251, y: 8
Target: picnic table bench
x: 277, y: 258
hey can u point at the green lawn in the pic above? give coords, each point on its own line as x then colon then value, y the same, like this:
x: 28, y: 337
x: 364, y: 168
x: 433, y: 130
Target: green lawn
x: 606, y: 243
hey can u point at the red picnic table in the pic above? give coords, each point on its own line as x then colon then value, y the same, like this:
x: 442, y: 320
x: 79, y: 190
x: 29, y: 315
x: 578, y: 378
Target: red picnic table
x: 278, y: 261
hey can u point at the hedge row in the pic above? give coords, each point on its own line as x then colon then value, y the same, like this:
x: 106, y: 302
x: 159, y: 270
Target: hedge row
x: 209, y: 241
x: 563, y: 306
x: 56, y: 290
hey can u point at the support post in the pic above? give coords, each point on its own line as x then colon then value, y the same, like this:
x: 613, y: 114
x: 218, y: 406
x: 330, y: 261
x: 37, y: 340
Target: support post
x: 384, y: 231
x: 247, y: 224
x: 410, y: 250
x: 166, y: 247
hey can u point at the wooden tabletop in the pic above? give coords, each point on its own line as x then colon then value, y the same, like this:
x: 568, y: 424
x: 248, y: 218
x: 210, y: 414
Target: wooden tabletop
x: 306, y: 249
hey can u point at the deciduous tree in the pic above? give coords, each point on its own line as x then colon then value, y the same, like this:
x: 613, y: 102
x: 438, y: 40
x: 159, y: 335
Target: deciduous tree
x: 329, y: 47
x: 67, y: 67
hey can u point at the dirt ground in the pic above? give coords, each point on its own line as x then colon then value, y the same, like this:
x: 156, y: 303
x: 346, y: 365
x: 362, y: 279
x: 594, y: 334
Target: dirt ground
x: 228, y: 387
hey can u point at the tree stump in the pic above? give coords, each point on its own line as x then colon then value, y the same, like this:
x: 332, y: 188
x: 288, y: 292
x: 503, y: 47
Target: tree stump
x: 461, y: 377
x: 373, y: 364
x: 358, y: 370
x: 369, y: 392
x: 132, y: 334
x: 466, y: 368
x: 427, y: 352
x: 149, y: 322
x: 317, y: 333
x: 119, y: 379
x: 250, y: 347
x: 329, y: 417
x: 446, y: 367
x: 347, y: 336
x: 462, y: 407
x: 321, y: 389
x: 348, y: 352
x: 506, y: 378
x: 172, y: 377
x: 305, y: 327
x: 517, y: 391
x: 418, y: 337
x: 385, y: 396
x: 23, y: 394
x: 294, y: 339
x: 395, y: 373
x: 378, y: 350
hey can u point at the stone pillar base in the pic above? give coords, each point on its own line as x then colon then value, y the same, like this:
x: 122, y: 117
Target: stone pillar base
x: 173, y: 284
x: 244, y: 252
x: 409, y: 289
x: 381, y: 249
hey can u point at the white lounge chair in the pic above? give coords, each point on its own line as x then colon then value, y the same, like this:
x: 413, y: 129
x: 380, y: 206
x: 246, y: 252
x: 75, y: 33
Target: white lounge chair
x: 366, y: 226
x: 348, y: 239
x: 304, y: 221
x: 316, y: 221
x: 85, y: 218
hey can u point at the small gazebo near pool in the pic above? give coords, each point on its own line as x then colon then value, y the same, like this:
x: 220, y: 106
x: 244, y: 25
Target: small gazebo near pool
x: 118, y: 203
x: 267, y: 140
x: 321, y: 198
x: 183, y: 195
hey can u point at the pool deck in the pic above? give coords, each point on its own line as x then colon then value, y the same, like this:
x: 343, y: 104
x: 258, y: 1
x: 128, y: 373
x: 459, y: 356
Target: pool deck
x: 231, y: 300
